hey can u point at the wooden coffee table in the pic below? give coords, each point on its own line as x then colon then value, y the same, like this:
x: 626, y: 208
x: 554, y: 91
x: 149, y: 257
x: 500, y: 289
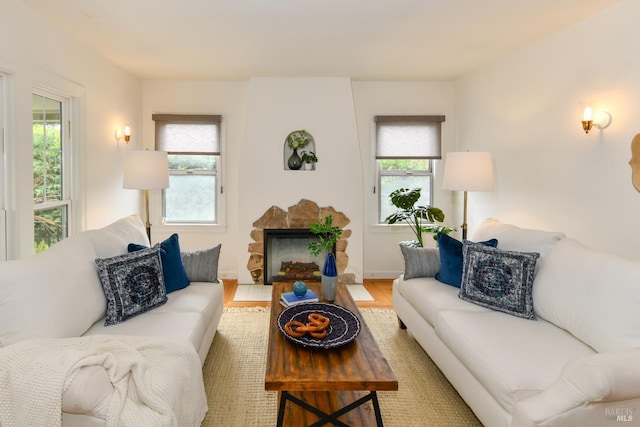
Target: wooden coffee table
x: 326, y: 385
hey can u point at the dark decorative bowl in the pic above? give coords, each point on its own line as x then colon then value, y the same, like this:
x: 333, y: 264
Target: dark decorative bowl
x: 343, y: 328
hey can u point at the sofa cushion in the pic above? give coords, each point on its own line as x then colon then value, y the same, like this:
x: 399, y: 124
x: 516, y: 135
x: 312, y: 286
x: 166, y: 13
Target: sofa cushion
x: 420, y: 262
x: 40, y: 296
x: 133, y: 283
x: 157, y: 323
x: 592, y: 294
x: 429, y: 296
x: 113, y: 239
x: 172, y: 268
x: 509, y: 356
x: 451, y: 259
x: 499, y: 280
x: 199, y: 297
x: 202, y: 265
x: 512, y: 238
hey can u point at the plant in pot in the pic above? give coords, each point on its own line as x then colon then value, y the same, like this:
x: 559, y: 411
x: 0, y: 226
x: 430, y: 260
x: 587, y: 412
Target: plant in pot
x: 298, y: 139
x: 405, y: 199
x: 309, y: 159
x: 328, y: 235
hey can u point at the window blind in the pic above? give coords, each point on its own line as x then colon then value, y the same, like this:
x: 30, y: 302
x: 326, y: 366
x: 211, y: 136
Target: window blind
x: 408, y: 137
x: 188, y: 133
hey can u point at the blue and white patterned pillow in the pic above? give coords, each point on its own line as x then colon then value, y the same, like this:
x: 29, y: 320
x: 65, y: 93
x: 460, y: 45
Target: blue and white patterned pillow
x: 498, y: 279
x: 133, y: 283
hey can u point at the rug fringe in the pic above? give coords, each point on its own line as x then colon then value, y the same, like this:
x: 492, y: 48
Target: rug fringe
x: 245, y: 309
x: 376, y: 310
x: 266, y: 309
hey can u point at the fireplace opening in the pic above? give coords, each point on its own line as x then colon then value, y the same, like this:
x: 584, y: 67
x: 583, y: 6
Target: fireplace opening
x: 287, y: 256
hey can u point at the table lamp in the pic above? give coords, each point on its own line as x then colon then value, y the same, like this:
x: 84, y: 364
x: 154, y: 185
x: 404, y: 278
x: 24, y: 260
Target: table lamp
x: 468, y: 171
x: 146, y: 170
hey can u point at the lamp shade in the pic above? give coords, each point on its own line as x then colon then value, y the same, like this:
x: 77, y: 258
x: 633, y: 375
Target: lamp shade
x: 146, y: 170
x: 468, y: 171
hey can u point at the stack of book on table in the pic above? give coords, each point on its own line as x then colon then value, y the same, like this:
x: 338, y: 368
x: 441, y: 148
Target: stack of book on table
x: 288, y: 299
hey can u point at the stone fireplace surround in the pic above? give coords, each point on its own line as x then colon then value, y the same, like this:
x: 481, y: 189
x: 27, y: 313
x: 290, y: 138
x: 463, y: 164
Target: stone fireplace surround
x: 300, y: 215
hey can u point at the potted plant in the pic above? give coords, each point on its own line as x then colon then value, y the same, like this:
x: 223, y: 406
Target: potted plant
x: 405, y: 200
x: 297, y: 139
x: 309, y: 159
x: 328, y: 236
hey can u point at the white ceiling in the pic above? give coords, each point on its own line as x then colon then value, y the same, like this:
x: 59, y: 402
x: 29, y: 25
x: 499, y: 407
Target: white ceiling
x: 362, y: 39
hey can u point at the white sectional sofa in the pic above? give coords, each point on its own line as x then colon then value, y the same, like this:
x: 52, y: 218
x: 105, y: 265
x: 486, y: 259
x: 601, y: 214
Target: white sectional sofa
x: 577, y: 363
x: 58, y: 294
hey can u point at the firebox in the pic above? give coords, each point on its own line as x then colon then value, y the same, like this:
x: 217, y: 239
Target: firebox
x: 287, y: 256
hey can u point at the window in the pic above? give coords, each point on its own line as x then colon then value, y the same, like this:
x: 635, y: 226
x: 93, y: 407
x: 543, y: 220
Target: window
x: 193, y: 146
x: 405, y: 149
x: 51, y: 194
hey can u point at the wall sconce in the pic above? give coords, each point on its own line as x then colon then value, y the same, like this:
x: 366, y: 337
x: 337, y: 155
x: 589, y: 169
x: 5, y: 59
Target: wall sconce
x: 601, y: 120
x: 127, y: 133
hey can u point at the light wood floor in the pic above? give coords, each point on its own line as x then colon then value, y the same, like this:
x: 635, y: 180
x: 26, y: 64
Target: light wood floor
x: 380, y: 290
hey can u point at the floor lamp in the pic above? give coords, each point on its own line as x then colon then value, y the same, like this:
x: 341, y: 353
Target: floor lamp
x: 468, y: 171
x: 146, y: 170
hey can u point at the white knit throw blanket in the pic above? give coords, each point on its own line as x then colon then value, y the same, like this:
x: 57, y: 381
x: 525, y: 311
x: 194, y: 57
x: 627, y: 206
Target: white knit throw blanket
x: 157, y: 381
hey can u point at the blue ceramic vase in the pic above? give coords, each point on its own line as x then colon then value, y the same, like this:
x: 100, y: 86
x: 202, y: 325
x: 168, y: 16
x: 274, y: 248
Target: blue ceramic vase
x: 300, y: 289
x: 329, y: 278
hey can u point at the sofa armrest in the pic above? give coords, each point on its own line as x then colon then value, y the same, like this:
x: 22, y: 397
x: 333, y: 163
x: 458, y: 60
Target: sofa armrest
x: 89, y: 392
x: 598, y: 378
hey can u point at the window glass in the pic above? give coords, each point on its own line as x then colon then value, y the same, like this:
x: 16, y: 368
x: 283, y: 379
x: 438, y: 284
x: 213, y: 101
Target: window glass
x: 51, y: 204
x: 405, y: 149
x: 193, y: 144
x: 192, y: 189
x: 403, y: 173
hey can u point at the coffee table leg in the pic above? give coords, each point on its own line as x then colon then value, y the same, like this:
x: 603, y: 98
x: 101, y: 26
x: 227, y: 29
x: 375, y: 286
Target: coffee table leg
x: 283, y: 402
x: 329, y: 418
x: 376, y: 408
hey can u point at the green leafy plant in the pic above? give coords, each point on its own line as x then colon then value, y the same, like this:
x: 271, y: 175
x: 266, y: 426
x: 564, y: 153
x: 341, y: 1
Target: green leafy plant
x: 309, y: 157
x: 299, y: 139
x: 327, y: 233
x: 405, y: 199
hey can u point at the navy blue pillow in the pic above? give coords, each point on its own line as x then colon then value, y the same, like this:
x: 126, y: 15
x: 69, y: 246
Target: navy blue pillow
x: 175, y: 277
x: 451, y: 259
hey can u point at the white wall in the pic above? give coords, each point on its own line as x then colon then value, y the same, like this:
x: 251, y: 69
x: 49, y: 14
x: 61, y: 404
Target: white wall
x: 258, y: 115
x: 33, y: 52
x: 382, y: 256
x: 228, y: 99
x: 323, y: 107
x: 525, y: 109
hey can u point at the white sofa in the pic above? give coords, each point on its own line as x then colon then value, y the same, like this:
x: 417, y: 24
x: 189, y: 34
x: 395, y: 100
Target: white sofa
x: 576, y: 364
x: 58, y: 294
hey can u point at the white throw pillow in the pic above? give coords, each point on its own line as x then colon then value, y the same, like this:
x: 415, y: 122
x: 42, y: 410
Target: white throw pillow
x: 114, y: 239
x: 512, y: 238
x: 592, y: 294
x: 55, y: 294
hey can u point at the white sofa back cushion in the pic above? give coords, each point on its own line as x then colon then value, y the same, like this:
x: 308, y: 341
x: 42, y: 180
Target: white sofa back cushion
x: 512, y: 238
x: 593, y: 295
x: 114, y: 239
x: 55, y: 294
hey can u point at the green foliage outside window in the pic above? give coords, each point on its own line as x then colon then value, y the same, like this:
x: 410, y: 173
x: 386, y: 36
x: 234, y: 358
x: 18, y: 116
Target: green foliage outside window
x: 192, y: 162
x: 191, y: 196
x: 404, y: 164
x: 49, y: 223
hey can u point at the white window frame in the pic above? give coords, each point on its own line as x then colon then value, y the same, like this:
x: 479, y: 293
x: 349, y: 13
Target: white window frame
x: 66, y: 165
x: 430, y: 149
x: 219, y: 190
x: 3, y: 173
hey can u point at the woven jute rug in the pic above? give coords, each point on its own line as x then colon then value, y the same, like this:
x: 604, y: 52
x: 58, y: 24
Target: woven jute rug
x: 234, y: 376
